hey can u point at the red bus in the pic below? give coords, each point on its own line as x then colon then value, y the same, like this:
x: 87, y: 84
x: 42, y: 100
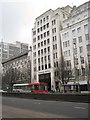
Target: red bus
x: 35, y: 87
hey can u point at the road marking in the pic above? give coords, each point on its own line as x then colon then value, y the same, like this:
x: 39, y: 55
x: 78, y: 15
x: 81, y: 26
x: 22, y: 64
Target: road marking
x: 79, y: 107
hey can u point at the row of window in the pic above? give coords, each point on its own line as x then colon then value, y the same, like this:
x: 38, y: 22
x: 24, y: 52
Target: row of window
x: 46, y: 34
x: 46, y: 66
x: 66, y: 43
x: 42, y: 28
x: 43, y: 20
x: 43, y: 43
x: 81, y: 49
x: 66, y: 34
x: 44, y: 51
x: 44, y: 59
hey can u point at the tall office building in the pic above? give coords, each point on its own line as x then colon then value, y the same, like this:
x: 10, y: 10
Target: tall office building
x: 75, y: 38
x: 46, y: 44
x: 8, y: 50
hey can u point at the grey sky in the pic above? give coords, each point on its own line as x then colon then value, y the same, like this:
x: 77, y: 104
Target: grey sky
x: 17, y: 17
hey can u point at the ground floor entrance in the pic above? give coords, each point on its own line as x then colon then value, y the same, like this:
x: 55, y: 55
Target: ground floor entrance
x: 46, y: 78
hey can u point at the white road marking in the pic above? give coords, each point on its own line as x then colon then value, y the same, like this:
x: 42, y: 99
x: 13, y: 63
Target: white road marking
x: 79, y: 107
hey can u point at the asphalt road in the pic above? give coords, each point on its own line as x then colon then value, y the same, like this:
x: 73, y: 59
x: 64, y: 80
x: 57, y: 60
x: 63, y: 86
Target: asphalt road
x: 29, y: 108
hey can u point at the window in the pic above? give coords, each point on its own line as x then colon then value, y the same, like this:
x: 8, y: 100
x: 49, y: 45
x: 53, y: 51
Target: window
x: 48, y: 57
x: 66, y: 44
x: 34, y: 68
x: 39, y: 53
x: 34, y: 40
x: 41, y: 43
x: 49, y: 65
x: 35, y: 61
x: 44, y: 42
x: 48, y: 41
x: 44, y: 50
x: 53, y: 22
x: 42, y: 59
x: 34, y: 47
x: 86, y: 27
x: 38, y: 60
x: 42, y: 67
x: 34, y: 54
x: 48, y: 49
x: 87, y: 36
x: 88, y: 58
x: 76, y: 60
x: 73, y: 31
x: 74, y: 41
x: 79, y: 29
x: 39, y: 68
x: 82, y: 59
x: 81, y: 49
x: 54, y: 30
x: 41, y: 21
x: 45, y: 58
x: 38, y: 45
x: 80, y: 39
x: 75, y: 51
x: 38, y: 30
x: 47, y: 33
x: 57, y: 63
x: 34, y: 32
x: 45, y: 66
x: 38, y: 23
x: 47, y: 17
x: 88, y: 47
x: 47, y: 25
x: 38, y: 37
x: 68, y: 62
x: 41, y: 36
x: 41, y: 28
x: 44, y: 27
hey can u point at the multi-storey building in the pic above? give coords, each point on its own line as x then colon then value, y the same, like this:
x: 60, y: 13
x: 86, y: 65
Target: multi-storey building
x: 75, y: 39
x: 8, y: 50
x: 17, y: 70
x: 46, y: 44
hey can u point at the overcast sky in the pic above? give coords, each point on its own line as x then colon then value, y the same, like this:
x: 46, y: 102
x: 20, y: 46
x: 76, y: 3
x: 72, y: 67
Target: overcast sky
x: 17, y: 17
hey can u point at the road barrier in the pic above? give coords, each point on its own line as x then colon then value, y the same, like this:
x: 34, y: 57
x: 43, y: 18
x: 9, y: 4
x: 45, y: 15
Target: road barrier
x: 52, y: 96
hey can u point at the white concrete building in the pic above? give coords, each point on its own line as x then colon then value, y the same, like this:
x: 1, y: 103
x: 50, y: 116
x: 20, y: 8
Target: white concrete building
x: 46, y: 44
x: 75, y: 38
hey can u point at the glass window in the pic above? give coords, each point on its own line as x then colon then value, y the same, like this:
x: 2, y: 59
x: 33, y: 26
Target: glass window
x: 80, y: 39
x: 79, y: 29
x: 44, y: 42
x: 86, y: 27
x: 82, y: 59
x: 81, y: 49
x: 88, y: 47
x: 87, y: 36
x: 47, y: 33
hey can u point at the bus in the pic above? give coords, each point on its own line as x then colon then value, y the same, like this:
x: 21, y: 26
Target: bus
x: 34, y: 87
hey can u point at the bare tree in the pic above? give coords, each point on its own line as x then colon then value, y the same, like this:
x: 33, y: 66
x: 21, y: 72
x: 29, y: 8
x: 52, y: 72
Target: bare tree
x: 63, y: 73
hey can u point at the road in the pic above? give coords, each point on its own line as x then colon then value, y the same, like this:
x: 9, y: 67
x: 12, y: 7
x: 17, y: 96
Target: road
x: 29, y: 108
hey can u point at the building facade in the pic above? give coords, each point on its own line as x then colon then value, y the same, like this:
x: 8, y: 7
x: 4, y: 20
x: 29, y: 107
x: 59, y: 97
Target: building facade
x: 8, y: 50
x: 46, y: 44
x: 75, y: 39
x: 17, y: 70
